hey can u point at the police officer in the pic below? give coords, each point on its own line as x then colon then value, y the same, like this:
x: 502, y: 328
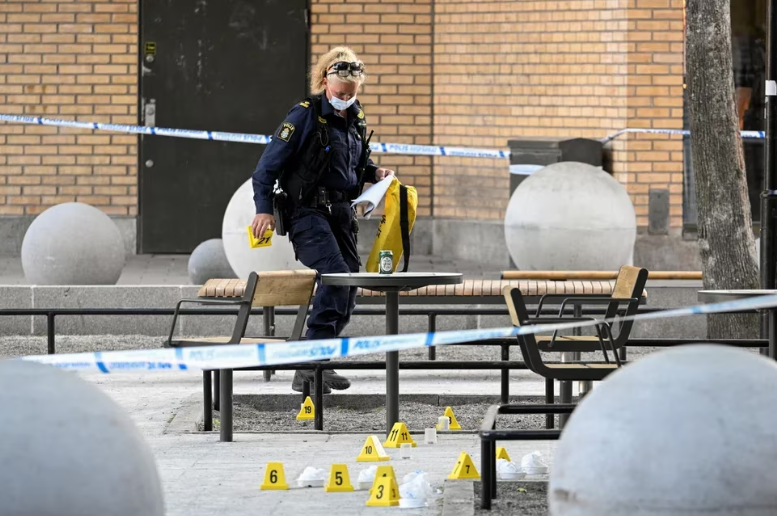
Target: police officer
x: 319, y: 157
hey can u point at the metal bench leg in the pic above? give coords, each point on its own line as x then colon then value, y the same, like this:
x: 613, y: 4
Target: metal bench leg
x: 485, y: 468
x: 207, y: 402
x: 216, y: 389
x: 318, y: 381
x: 305, y: 390
x: 492, y: 466
x: 550, y: 398
x: 505, y: 390
x: 225, y: 427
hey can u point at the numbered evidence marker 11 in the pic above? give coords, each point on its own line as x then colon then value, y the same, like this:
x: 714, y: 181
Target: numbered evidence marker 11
x: 372, y: 451
x: 385, y: 493
x: 265, y: 241
x: 274, y: 477
x: 398, y: 436
x: 339, y: 480
x: 453, y: 424
x: 464, y: 468
x: 501, y: 453
x: 307, y: 412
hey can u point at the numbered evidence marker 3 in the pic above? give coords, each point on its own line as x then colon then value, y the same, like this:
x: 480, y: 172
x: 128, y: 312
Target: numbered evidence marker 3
x: 399, y: 435
x: 383, y: 471
x: 501, y: 453
x: 307, y: 412
x: 274, y: 477
x: 372, y: 451
x: 385, y: 493
x: 339, y: 481
x: 453, y: 425
x: 464, y: 468
x: 265, y: 241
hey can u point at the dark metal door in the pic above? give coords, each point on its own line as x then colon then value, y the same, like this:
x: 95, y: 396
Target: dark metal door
x: 225, y: 65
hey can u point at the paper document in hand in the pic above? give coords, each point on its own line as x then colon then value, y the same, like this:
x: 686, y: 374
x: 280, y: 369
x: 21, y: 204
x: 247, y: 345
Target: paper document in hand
x: 373, y: 195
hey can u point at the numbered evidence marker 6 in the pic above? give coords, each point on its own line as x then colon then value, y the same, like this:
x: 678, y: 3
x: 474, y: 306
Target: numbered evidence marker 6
x: 274, y: 477
x: 265, y: 241
x: 372, y: 451
x: 464, y: 468
x: 398, y: 436
x: 339, y: 480
x: 307, y: 412
x: 385, y: 493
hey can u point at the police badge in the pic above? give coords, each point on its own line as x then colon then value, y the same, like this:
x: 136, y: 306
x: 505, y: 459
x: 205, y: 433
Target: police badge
x: 286, y: 131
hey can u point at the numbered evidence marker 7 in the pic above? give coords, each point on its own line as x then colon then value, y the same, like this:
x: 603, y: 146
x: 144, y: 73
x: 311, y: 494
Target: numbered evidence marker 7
x: 274, y: 477
x: 385, y: 493
x: 265, y: 241
x: 372, y: 451
x: 399, y: 435
x: 464, y: 468
x: 307, y: 412
x: 339, y: 480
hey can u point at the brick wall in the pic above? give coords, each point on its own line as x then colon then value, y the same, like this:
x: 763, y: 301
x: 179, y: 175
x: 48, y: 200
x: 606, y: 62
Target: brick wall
x: 73, y: 60
x: 394, y: 39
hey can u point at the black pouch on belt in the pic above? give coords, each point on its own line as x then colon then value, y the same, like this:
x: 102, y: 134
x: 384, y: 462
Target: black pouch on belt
x: 279, y: 211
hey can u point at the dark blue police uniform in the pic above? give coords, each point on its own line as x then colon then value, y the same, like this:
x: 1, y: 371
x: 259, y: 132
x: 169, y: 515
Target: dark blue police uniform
x: 322, y: 234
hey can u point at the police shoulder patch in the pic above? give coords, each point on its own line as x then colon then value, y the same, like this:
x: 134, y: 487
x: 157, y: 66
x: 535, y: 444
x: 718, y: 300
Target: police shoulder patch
x: 361, y: 114
x: 286, y: 131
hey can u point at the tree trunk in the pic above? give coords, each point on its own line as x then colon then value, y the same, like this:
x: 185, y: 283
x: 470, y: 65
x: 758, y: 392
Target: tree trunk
x: 726, y: 241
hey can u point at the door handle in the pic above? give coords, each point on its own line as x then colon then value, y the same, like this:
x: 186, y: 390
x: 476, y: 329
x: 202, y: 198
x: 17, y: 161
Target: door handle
x: 149, y: 113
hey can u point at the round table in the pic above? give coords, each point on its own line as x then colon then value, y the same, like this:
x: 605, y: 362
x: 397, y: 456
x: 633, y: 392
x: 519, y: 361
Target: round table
x: 721, y: 296
x: 392, y: 285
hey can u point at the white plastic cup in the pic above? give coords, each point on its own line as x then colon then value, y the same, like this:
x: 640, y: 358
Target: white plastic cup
x: 430, y: 435
x: 443, y: 423
x: 404, y: 450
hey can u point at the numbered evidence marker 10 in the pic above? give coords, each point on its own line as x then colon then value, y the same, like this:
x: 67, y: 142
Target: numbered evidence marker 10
x: 384, y: 493
x: 274, y: 477
x: 383, y: 471
x: 501, y: 453
x: 265, y: 241
x: 398, y: 436
x: 452, y: 423
x: 339, y: 480
x: 307, y: 412
x: 372, y: 451
x: 464, y: 468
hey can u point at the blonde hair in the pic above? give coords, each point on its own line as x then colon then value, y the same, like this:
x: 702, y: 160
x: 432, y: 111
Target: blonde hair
x: 318, y: 71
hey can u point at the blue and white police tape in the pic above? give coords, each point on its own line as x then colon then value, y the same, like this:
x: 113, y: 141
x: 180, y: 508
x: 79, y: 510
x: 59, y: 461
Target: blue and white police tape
x: 252, y: 355
x: 386, y: 148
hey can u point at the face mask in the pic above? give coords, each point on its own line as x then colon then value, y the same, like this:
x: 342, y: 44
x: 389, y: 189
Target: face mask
x: 340, y: 104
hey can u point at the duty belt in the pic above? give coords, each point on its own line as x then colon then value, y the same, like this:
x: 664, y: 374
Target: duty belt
x: 325, y: 198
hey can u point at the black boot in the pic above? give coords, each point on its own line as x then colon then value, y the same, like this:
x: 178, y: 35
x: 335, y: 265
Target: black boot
x: 302, y: 376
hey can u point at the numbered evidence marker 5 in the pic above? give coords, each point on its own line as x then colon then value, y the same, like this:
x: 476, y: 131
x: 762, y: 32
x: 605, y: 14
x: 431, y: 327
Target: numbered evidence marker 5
x: 307, y: 412
x: 385, y: 493
x: 399, y: 435
x: 372, y: 451
x: 274, y: 477
x: 464, y: 468
x: 265, y: 241
x: 339, y: 480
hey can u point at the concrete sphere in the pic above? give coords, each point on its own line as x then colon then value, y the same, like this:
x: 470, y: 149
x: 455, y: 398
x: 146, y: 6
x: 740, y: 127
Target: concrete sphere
x: 570, y: 216
x: 73, y: 244
x: 68, y: 449
x: 687, y: 431
x: 208, y: 261
x: 234, y: 231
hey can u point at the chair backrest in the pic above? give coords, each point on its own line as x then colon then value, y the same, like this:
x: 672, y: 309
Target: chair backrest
x: 528, y: 344
x: 629, y: 284
x: 284, y: 288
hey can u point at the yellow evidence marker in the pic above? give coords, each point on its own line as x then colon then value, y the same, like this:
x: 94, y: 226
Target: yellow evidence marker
x: 453, y: 425
x: 501, y: 453
x: 307, y: 412
x: 372, y: 451
x: 383, y: 471
x: 464, y: 468
x: 385, y: 493
x: 339, y: 480
x: 274, y: 477
x: 265, y: 241
x: 399, y: 435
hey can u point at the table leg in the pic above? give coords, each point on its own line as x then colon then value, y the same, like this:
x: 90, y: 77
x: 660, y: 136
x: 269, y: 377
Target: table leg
x: 392, y: 361
x: 773, y: 333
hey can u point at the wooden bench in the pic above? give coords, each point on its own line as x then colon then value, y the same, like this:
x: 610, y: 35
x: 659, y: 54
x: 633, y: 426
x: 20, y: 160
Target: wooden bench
x: 595, y: 275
